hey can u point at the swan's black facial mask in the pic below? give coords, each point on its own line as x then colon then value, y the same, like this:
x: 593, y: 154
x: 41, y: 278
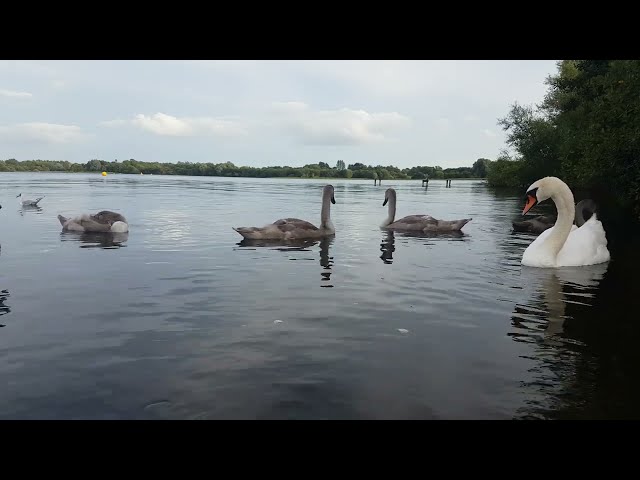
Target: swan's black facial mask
x: 531, y: 199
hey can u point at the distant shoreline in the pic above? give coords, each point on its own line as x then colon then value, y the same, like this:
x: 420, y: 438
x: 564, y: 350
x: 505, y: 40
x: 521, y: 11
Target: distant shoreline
x: 359, y: 179
x: 320, y: 170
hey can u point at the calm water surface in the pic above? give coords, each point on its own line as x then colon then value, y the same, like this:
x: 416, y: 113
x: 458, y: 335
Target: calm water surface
x: 179, y: 319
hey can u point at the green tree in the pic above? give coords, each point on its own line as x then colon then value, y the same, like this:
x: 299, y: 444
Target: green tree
x: 479, y: 167
x: 506, y: 172
x: 586, y: 130
x: 535, y: 138
x: 94, y: 165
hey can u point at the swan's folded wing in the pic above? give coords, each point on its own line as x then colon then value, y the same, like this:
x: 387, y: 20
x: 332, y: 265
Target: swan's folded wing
x: 288, y: 224
x: 412, y: 219
x: 93, y: 226
x: 586, y: 245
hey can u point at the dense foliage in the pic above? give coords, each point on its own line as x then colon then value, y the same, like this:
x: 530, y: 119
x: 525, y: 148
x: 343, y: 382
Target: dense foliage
x: 586, y: 131
x: 228, y: 169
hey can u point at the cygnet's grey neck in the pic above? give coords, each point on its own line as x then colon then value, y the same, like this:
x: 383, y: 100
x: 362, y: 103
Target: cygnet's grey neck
x: 325, y: 214
x: 391, y: 209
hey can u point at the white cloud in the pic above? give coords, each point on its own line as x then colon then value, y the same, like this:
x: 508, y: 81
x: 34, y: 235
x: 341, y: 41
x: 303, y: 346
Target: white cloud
x: 336, y: 127
x: 162, y: 124
x: 14, y: 94
x: 39, y: 132
x: 489, y: 133
x: 168, y: 125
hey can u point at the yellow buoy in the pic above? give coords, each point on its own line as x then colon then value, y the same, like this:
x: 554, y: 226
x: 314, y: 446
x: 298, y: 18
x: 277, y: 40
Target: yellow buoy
x: 104, y: 174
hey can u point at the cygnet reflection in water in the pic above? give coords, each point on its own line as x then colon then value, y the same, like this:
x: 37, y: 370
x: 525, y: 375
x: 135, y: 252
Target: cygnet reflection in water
x: 294, y: 244
x: 105, y: 240
x: 297, y: 245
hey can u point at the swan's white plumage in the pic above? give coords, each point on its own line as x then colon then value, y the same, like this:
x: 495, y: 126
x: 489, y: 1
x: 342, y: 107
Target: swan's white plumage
x: 585, y: 245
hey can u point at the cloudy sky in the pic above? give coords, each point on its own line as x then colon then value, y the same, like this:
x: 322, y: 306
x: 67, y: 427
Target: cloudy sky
x: 260, y: 113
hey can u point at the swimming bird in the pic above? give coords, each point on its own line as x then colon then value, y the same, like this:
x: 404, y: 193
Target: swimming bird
x: 29, y: 203
x: 541, y: 223
x: 103, y: 221
x: 294, y: 228
x: 423, y: 223
x: 564, y: 244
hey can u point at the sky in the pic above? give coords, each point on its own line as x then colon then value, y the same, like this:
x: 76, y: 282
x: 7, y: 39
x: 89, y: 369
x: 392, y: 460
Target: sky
x: 267, y: 112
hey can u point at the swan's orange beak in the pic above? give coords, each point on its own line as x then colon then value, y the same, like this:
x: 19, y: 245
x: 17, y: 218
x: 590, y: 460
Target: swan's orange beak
x: 531, y: 201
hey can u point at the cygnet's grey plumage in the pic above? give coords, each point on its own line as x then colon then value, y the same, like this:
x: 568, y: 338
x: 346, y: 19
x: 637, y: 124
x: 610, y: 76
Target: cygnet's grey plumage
x: 539, y: 224
x: 295, y: 228
x: 104, y: 221
x: 417, y: 223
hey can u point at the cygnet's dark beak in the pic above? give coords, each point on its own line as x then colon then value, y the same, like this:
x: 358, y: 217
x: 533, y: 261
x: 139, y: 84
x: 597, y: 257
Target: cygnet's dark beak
x: 386, y: 199
x: 333, y: 200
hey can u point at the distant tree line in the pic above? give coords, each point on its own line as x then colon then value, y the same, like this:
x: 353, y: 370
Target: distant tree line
x: 586, y: 131
x: 228, y: 169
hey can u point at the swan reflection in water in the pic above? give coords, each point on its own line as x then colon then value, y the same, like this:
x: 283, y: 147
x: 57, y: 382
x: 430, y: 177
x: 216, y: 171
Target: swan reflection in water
x: 4, y: 309
x: 104, y: 240
x: 299, y: 245
x: 326, y: 261
x: 387, y: 247
x: 455, y: 235
x: 557, y: 323
x: 556, y: 288
x: 388, y: 243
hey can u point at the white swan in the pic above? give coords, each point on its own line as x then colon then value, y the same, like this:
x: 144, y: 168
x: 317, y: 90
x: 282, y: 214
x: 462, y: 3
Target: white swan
x: 564, y: 244
x: 294, y: 228
x: 104, y: 221
x: 421, y: 223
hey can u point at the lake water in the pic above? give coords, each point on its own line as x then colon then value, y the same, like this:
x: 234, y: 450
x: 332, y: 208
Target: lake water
x: 179, y: 321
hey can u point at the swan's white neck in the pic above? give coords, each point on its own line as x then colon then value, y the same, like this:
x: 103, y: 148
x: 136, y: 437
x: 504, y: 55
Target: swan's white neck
x: 325, y: 214
x: 392, y: 211
x: 563, y: 198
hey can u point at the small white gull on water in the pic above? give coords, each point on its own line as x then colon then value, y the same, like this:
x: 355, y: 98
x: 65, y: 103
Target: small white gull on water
x: 29, y: 203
